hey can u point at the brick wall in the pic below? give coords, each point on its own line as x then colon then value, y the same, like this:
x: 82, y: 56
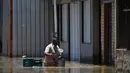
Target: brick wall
x: 102, y: 30
x: 122, y: 60
x: 113, y: 29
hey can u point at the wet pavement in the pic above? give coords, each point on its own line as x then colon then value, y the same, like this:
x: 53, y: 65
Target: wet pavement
x: 15, y: 65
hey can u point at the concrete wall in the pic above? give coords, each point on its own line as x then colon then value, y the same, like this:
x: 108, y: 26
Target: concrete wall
x: 32, y: 26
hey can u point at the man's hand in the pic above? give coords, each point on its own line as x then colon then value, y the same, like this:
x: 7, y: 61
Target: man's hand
x: 50, y: 54
x: 59, y: 56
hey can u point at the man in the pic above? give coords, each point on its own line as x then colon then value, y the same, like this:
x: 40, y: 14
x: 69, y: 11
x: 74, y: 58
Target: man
x: 52, y: 52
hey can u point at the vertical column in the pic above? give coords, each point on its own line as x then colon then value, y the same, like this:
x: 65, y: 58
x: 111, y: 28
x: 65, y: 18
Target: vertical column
x: 11, y: 26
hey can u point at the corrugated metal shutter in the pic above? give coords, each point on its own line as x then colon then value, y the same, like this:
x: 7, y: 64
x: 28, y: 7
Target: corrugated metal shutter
x: 75, y: 14
x: 5, y: 32
x: 65, y: 22
x: 30, y: 26
x: 87, y: 22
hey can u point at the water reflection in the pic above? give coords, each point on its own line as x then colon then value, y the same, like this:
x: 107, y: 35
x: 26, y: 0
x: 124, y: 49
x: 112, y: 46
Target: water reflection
x: 56, y: 70
x: 9, y: 65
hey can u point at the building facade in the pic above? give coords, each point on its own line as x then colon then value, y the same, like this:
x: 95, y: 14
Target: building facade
x: 122, y: 34
x: 87, y: 29
x: 115, y: 33
x: 32, y: 27
x: 79, y: 30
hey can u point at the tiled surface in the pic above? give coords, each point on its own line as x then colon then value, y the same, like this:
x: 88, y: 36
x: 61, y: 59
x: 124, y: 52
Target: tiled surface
x: 14, y: 65
x: 122, y: 60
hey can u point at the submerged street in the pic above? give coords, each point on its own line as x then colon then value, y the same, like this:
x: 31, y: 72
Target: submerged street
x: 15, y: 65
x: 94, y: 32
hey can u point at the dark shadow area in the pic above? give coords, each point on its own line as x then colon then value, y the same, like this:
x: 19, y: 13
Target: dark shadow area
x: 1, y: 21
x: 123, y: 16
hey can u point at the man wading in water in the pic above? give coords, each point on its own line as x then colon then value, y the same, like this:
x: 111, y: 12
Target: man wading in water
x: 52, y: 52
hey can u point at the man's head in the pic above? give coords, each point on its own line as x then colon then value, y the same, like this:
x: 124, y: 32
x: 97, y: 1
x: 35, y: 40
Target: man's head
x: 54, y: 41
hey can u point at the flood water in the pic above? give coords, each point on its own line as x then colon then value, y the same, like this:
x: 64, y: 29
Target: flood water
x: 15, y: 65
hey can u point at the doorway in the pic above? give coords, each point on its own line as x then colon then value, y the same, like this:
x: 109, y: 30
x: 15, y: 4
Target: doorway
x: 123, y: 16
x: 107, y: 34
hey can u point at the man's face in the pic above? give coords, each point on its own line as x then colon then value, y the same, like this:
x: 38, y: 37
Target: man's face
x: 54, y: 42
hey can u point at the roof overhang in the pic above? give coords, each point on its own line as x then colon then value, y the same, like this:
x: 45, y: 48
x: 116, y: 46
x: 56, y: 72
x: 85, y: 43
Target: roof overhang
x: 67, y: 1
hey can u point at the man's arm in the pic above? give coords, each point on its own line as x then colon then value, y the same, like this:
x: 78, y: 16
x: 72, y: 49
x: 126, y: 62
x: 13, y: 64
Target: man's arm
x: 47, y: 50
x: 60, y: 50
